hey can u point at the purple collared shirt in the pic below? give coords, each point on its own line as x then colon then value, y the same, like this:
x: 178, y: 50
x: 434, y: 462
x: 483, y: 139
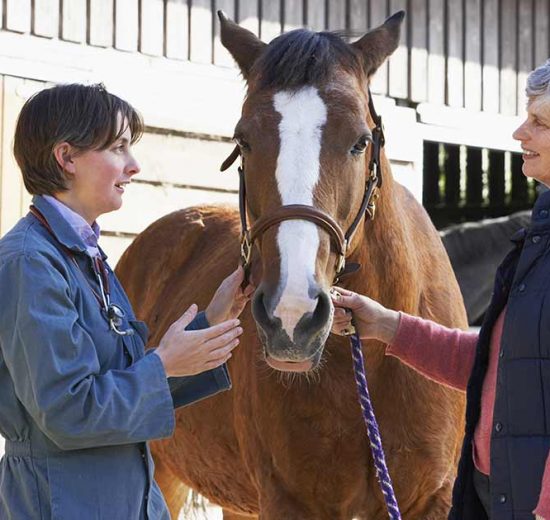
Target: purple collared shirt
x: 88, y: 234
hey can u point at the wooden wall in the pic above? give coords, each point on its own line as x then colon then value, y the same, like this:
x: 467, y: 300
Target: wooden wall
x: 457, y: 77
x: 463, y: 53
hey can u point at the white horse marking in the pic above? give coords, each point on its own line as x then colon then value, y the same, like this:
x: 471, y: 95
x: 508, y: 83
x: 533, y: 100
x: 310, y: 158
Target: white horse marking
x: 303, y: 115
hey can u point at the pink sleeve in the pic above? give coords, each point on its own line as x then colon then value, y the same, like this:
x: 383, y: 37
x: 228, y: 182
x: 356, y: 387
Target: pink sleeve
x: 543, y: 507
x: 442, y: 354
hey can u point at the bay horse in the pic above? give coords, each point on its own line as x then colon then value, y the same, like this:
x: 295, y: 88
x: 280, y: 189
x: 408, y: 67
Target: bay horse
x: 288, y: 441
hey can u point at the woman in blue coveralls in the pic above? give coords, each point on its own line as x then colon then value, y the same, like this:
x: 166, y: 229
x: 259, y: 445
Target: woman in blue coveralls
x: 79, y: 398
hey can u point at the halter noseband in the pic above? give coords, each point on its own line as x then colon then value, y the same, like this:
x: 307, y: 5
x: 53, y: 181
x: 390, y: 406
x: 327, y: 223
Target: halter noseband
x: 340, y: 239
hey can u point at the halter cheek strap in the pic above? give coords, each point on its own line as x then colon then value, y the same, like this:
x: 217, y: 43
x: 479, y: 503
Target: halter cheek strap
x: 339, y: 239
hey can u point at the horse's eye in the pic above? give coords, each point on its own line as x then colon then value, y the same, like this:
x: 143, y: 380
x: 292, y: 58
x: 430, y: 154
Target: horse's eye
x: 361, y: 145
x: 241, y: 143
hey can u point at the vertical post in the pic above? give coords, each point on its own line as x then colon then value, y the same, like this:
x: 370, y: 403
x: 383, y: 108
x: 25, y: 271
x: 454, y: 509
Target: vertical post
x: 452, y: 175
x: 497, y: 193
x: 474, y: 180
x: 431, y: 196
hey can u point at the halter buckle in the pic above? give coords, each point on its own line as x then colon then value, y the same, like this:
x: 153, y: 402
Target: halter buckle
x: 341, y: 262
x: 371, y: 206
x: 246, y: 249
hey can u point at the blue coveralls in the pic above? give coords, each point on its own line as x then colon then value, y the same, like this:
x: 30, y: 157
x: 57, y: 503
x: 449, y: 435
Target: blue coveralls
x: 77, y: 401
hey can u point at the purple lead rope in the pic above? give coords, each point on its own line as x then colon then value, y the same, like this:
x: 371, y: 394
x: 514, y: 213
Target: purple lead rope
x: 382, y: 472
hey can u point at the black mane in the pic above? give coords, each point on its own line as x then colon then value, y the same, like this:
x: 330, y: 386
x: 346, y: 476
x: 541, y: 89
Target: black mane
x: 303, y: 57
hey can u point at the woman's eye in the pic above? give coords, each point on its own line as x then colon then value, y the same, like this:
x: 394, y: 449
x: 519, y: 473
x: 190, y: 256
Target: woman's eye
x: 242, y: 144
x: 361, y: 145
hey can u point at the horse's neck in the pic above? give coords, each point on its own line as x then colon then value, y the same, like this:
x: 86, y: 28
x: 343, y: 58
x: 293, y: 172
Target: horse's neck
x: 384, y: 251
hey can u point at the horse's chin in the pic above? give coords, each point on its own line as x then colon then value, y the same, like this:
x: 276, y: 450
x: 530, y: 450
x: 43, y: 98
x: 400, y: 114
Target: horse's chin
x: 290, y: 366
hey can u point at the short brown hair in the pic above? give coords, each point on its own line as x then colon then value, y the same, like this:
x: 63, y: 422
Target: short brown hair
x: 85, y: 116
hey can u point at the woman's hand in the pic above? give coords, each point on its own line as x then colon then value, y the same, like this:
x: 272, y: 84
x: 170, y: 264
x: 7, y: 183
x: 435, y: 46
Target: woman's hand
x: 229, y: 300
x: 372, y: 320
x: 185, y: 353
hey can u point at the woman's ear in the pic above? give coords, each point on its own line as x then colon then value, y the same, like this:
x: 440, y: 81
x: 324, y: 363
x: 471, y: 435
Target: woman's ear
x: 63, y: 155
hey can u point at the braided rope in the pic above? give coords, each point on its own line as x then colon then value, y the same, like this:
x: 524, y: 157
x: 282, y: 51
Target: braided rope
x: 382, y: 472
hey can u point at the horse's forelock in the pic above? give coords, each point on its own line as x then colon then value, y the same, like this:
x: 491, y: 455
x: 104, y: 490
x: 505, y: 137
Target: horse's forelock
x: 302, y: 57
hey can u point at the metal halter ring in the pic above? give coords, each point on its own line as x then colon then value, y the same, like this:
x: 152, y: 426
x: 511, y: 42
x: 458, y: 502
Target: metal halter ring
x: 246, y: 249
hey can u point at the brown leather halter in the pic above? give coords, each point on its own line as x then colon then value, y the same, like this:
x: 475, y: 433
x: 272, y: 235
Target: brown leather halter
x: 340, y: 239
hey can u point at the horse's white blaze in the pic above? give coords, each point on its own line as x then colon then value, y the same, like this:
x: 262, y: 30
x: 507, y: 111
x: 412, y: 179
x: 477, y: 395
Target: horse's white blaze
x: 303, y: 115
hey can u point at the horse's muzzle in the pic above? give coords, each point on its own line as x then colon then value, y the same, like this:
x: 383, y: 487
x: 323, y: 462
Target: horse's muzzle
x: 301, y: 352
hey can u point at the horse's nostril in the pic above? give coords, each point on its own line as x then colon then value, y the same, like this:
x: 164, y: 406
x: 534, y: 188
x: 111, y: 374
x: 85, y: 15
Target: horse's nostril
x: 322, y: 310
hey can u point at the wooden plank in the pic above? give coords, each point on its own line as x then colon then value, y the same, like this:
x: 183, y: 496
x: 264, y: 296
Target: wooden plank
x: 472, y: 65
x: 14, y: 200
x: 293, y: 15
x: 436, y: 52
x: 474, y: 177
x: 221, y: 54
x: 526, y: 54
x: 127, y: 25
x: 491, y: 49
x: 46, y: 18
x: 542, y: 29
x: 18, y: 15
x: 114, y: 246
x: 419, y: 50
x: 200, y: 32
x: 152, y: 27
x: 101, y: 23
x: 316, y: 15
x: 398, y: 76
x: 455, y: 58
x: 358, y: 16
x: 378, y: 13
x: 144, y: 203
x: 270, y: 23
x: 336, y: 15
x: 161, y: 157
x: 74, y: 20
x: 497, y: 192
x: 431, y: 195
x: 452, y: 175
x: 248, y: 15
x: 177, y: 29
x: 508, y: 75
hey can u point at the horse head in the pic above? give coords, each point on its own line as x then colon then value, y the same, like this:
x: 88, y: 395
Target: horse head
x: 304, y: 138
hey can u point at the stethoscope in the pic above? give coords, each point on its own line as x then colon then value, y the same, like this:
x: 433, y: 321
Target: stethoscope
x: 115, y: 314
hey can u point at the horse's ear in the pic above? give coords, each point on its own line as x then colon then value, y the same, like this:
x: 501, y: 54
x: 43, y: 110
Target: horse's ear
x: 244, y: 46
x: 379, y: 43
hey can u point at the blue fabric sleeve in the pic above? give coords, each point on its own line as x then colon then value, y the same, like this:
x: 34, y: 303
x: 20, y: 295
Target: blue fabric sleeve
x: 200, y: 322
x: 190, y: 389
x: 53, y: 363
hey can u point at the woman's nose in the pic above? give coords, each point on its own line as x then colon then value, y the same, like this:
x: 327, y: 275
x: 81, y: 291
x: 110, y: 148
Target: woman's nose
x: 133, y: 167
x: 520, y: 132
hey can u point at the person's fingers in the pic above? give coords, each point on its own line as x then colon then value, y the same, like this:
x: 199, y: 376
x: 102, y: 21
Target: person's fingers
x: 224, y: 349
x: 343, y: 317
x: 249, y: 290
x: 214, y: 363
x: 345, y: 301
x: 188, y: 316
x: 235, y: 279
x: 223, y: 339
x: 219, y: 329
x: 340, y: 290
x: 340, y: 312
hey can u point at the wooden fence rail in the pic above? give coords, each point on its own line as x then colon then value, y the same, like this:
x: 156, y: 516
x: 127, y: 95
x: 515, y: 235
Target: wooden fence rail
x: 463, y: 53
x: 464, y: 183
